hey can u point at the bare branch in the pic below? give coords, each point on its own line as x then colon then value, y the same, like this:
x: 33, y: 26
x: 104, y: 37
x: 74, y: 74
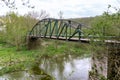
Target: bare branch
x: 43, y: 14
x: 12, y: 3
x: 60, y: 14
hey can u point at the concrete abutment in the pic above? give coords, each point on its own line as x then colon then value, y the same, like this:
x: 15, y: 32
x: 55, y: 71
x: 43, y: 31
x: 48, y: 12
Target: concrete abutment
x: 106, y: 63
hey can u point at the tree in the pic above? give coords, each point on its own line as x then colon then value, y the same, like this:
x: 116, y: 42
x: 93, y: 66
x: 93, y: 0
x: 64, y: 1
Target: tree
x: 60, y: 14
x: 43, y: 14
x: 12, y: 3
x: 16, y: 28
x: 107, y: 24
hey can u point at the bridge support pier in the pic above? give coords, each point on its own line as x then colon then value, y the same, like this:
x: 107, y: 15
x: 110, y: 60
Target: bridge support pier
x: 33, y: 43
x: 106, y: 63
x: 113, y: 62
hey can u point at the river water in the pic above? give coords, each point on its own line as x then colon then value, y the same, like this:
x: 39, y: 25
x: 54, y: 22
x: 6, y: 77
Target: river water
x: 70, y: 67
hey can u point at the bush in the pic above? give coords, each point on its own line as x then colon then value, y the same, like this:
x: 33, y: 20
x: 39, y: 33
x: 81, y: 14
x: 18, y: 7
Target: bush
x: 16, y: 28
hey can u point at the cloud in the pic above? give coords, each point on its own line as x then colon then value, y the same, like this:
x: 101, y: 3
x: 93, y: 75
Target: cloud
x: 70, y: 8
x: 76, y: 8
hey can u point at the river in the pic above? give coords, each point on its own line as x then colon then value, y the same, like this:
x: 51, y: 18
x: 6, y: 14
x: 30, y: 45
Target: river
x: 70, y: 67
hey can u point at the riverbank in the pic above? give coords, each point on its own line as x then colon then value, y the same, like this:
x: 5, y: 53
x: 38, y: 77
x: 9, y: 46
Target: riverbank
x: 12, y: 60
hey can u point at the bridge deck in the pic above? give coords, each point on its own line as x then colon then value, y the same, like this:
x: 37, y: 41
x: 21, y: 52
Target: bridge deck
x: 86, y: 40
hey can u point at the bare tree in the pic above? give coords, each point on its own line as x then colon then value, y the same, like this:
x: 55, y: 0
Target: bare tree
x: 60, y: 14
x: 39, y: 15
x: 12, y: 3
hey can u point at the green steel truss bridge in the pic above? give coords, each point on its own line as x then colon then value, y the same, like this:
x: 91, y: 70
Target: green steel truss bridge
x: 60, y: 29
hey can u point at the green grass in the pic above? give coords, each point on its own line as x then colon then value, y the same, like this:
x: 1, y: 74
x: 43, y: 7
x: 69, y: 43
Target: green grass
x: 13, y: 60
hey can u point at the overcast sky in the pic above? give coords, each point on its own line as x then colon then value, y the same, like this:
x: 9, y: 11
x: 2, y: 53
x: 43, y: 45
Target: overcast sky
x: 70, y: 8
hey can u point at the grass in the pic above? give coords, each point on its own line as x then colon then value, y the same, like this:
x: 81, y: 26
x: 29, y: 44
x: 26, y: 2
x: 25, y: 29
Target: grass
x: 12, y: 60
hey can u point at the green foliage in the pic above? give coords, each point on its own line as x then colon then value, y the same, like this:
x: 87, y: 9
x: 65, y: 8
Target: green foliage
x: 12, y: 60
x: 16, y: 28
x: 12, y: 68
x: 107, y: 24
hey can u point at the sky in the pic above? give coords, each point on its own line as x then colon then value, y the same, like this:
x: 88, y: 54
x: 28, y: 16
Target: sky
x: 70, y: 8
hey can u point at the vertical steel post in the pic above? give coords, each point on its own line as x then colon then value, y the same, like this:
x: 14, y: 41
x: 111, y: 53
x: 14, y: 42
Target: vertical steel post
x: 46, y: 25
x: 59, y: 28
x: 50, y: 27
x: 79, y: 31
x: 66, y: 31
x: 53, y: 29
x: 56, y: 30
x: 70, y: 27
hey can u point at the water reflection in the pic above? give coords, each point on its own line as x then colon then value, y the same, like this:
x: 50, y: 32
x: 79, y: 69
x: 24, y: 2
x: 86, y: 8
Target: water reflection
x: 62, y: 67
x: 15, y: 76
x: 67, y: 67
